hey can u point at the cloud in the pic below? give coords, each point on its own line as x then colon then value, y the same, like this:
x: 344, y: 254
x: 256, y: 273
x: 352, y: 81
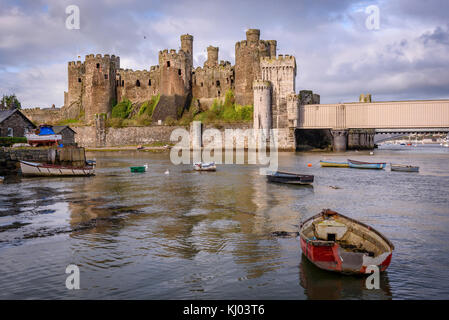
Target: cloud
x: 337, y: 56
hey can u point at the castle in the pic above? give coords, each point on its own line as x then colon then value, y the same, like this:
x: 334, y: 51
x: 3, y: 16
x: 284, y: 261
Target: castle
x: 259, y: 77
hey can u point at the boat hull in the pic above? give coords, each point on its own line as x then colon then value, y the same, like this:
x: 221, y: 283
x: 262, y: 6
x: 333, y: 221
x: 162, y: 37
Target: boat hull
x: 204, y: 166
x: 31, y: 169
x: 334, y: 164
x: 329, y: 258
x: 404, y: 168
x: 137, y: 169
x: 366, y: 165
x: 290, y: 178
x: 341, y: 254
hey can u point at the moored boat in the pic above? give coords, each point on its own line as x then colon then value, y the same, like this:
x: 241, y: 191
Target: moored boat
x: 44, y: 136
x: 289, y: 178
x: 143, y: 168
x: 404, y: 168
x: 46, y: 170
x: 204, y: 166
x: 334, y: 242
x: 366, y: 165
x: 334, y: 164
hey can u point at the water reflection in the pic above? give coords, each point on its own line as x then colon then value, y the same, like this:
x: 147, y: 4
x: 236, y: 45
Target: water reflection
x: 209, y: 235
x: 325, y: 285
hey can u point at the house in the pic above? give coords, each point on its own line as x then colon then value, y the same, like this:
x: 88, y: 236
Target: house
x: 67, y: 133
x: 14, y: 123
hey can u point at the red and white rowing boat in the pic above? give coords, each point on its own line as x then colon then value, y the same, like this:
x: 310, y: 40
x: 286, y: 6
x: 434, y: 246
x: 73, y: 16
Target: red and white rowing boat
x: 334, y: 242
x: 46, y: 170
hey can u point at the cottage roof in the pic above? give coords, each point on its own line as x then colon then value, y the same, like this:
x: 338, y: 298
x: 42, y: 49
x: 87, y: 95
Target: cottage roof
x: 5, y: 114
x: 59, y: 129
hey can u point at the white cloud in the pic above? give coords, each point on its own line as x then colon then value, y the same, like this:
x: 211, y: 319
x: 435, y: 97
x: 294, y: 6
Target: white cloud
x: 337, y: 56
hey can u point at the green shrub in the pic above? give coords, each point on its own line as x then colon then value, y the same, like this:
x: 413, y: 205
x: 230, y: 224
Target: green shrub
x: 9, y: 141
x: 229, y: 99
x: 143, y: 108
x: 122, y: 109
x: 144, y: 120
x: 148, y: 106
x: 216, y: 107
x: 244, y: 113
x: 114, y: 122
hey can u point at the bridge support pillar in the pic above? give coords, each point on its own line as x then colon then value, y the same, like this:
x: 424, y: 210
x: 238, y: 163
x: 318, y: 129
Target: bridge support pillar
x: 359, y: 139
x: 340, y: 140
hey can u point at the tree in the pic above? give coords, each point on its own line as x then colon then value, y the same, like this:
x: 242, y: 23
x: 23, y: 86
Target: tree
x: 10, y: 102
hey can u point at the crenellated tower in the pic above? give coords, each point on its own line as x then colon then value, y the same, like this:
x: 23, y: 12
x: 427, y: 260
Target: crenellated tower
x: 72, y: 98
x: 100, y: 92
x: 281, y: 72
x: 247, y: 63
x: 212, y: 57
x: 176, y: 68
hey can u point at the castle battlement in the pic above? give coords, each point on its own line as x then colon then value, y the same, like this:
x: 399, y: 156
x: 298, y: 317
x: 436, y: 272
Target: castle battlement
x: 280, y: 59
x: 99, y: 56
x: 125, y: 72
x: 261, y: 85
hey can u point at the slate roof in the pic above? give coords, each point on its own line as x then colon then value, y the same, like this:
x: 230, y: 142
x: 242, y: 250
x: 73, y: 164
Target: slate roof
x: 5, y: 114
x: 59, y: 129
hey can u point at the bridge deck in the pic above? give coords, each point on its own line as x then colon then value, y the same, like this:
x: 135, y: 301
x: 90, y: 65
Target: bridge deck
x: 392, y: 116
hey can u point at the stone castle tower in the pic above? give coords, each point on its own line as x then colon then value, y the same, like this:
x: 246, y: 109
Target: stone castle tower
x: 262, y: 98
x: 281, y: 73
x: 247, y: 63
x: 92, y: 84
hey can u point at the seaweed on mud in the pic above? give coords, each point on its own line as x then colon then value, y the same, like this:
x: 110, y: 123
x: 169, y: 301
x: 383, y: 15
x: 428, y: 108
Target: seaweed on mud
x: 14, y: 225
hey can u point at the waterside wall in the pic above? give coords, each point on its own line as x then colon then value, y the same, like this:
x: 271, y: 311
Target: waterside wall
x: 9, y: 157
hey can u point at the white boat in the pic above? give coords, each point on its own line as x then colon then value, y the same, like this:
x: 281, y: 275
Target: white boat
x: 204, y: 166
x: 34, y: 139
x: 46, y: 170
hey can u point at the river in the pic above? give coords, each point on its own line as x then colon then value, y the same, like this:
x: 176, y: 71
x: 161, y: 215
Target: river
x: 193, y: 235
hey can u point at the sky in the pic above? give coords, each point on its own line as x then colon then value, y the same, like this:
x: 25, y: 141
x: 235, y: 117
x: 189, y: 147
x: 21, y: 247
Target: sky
x: 339, y: 54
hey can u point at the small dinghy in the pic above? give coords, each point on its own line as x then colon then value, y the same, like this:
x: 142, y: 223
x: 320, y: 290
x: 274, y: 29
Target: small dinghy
x: 204, y: 166
x: 334, y: 164
x: 290, y: 178
x: 334, y: 242
x: 403, y: 168
x: 47, y: 170
x: 366, y: 165
x: 143, y: 168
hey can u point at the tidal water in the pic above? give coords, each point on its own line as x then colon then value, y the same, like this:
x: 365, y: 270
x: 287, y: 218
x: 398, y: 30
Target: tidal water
x: 192, y: 235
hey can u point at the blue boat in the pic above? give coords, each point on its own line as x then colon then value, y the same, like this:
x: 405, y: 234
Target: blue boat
x: 366, y: 165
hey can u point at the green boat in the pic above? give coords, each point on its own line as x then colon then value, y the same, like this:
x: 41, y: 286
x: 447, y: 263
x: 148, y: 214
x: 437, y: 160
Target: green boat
x: 139, y: 168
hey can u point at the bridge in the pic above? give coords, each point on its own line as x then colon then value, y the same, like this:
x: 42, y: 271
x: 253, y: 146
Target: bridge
x: 348, y: 121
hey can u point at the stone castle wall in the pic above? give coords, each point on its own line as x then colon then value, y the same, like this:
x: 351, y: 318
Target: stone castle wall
x: 41, y: 116
x: 214, y: 79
